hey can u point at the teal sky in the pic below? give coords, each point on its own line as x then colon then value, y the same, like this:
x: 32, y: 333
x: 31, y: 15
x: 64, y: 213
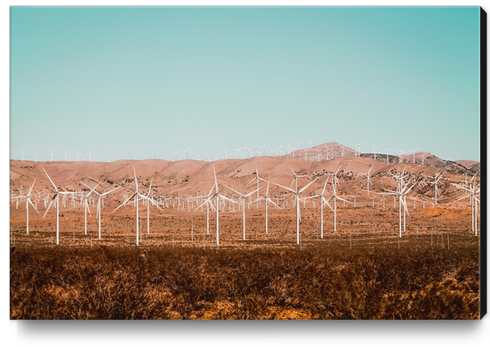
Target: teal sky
x: 124, y: 81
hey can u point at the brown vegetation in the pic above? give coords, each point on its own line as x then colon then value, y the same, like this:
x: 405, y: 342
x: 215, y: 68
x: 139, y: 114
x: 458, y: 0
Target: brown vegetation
x: 322, y: 281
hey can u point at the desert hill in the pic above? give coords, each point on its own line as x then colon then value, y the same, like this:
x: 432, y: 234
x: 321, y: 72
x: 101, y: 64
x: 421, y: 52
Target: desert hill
x: 193, y: 177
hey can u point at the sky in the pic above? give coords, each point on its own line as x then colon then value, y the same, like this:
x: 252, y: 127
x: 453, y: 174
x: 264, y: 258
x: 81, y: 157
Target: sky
x: 126, y: 82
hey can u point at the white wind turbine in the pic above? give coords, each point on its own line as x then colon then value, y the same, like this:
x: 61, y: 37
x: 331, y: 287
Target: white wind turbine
x: 400, y: 153
x: 387, y: 151
x: 86, y: 206
x: 257, y: 179
x: 36, y: 156
x: 137, y: 196
x: 51, y: 154
x: 149, y: 199
x: 188, y: 151
x: 99, y: 207
x: 89, y: 155
x: 296, y: 193
x: 22, y: 155
x: 358, y: 150
x: 237, y: 152
x: 413, y: 155
x: 323, y: 201
x: 374, y: 151
x: 78, y: 154
x: 28, y: 201
x: 368, y: 178
x: 436, y: 180
x: 226, y: 153
x: 401, y: 192
x: 335, y: 182
x: 243, y: 206
x: 472, y: 194
x: 267, y: 200
x: 65, y: 153
x: 216, y: 195
x: 155, y: 153
x: 57, y: 197
x: 176, y: 155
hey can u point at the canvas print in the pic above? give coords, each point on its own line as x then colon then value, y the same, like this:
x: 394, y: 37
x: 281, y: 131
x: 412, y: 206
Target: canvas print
x: 245, y: 163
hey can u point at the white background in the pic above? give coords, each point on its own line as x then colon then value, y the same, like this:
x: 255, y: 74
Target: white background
x: 272, y: 333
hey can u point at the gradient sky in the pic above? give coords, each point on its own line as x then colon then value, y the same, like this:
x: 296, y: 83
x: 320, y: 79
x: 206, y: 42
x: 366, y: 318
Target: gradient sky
x: 125, y: 81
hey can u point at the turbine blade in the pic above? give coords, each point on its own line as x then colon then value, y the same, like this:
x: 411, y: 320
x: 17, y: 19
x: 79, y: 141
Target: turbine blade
x: 110, y: 191
x: 49, y: 205
x: 135, y: 179
x: 234, y: 190
x: 30, y: 190
x: 126, y: 201
x: 302, y: 189
x: 326, y: 202
x: 28, y: 199
x: 149, y: 190
x: 273, y: 203
x: 51, y: 180
x: 88, y: 208
x: 253, y: 192
x: 284, y: 187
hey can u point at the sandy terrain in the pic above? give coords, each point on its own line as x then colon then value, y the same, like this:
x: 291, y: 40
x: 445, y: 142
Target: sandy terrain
x: 178, y: 181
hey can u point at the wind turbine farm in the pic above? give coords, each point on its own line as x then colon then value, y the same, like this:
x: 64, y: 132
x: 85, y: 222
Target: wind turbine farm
x: 242, y: 134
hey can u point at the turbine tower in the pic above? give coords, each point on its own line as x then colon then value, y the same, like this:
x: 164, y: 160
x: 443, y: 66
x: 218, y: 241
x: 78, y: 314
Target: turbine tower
x: 297, y: 192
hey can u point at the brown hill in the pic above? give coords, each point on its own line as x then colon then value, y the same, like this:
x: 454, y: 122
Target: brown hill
x: 196, y: 177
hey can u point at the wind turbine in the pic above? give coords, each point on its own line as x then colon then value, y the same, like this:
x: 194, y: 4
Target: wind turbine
x: 51, y: 154
x: 226, y: 153
x: 238, y: 152
x: 374, y: 150
x: 99, y: 209
x: 387, y: 151
x: 243, y: 206
x: 155, y: 153
x: 89, y: 155
x: 401, y: 192
x: 436, y: 180
x: 323, y: 201
x: 413, y: 155
x: 65, y: 153
x: 78, y: 154
x: 257, y: 179
x: 22, y: 155
x: 335, y: 182
x: 57, y: 197
x: 472, y: 194
x: 296, y: 192
x: 216, y: 195
x: 28, y: 201
x: 187, y: 151
x: 86, y: 207
x: 359, y: 149
x: 267, y: 200
x: 137, y: 196
x: 400, y: 153
x: 368, y: 178
x: 37, y: 156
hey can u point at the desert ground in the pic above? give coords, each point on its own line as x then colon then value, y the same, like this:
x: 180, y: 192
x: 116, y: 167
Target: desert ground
x: 366, y: 239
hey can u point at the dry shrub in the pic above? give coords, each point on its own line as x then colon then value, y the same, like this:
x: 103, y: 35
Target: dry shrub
x: 187, y: 283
